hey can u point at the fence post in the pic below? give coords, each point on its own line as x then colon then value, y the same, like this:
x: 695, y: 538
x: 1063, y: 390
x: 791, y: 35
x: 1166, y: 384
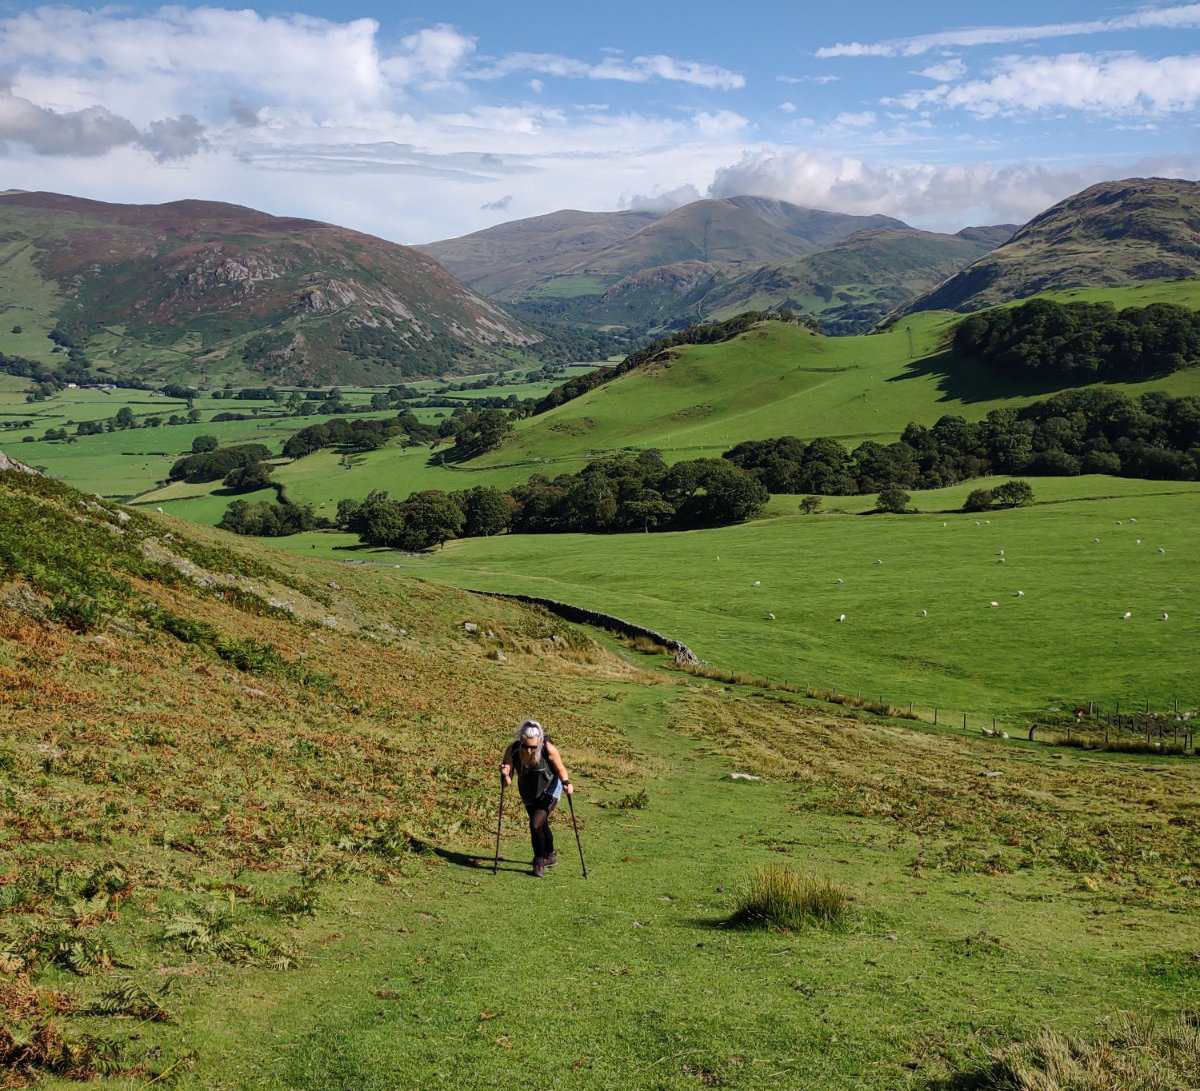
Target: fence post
x: 935, y: 715
x: 964, y: 721
x: 1147, y: 706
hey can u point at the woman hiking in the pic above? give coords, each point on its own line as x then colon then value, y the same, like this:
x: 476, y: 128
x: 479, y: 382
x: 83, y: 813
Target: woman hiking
x: 541, y: 779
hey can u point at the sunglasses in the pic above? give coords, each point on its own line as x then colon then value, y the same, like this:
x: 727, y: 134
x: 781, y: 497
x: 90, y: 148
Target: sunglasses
x: 529, y: 746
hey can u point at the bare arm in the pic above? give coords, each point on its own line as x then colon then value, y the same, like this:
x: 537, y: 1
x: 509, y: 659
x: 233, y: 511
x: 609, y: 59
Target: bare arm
x: 506, y: 764
x: 555, y: 759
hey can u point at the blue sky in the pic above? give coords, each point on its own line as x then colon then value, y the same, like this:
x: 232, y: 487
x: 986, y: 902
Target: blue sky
x: 420, y: 121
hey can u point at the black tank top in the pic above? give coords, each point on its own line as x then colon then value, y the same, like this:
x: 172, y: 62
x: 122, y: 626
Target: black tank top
x: 534, y: 781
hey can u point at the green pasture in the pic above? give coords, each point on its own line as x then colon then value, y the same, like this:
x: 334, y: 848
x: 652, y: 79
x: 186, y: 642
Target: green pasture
x: 1063, y: 641
x: 452, y: 977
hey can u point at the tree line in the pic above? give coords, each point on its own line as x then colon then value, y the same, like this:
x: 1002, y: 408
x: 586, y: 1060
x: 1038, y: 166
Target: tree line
x: 1085, y: 431
x: 1083, y: 342
x: 625, y: 492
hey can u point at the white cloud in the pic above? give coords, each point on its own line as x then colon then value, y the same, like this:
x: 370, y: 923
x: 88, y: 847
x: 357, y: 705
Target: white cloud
x: 808, y: 79
x: 939, y: 197
x: 722, y: 123
x: 1117, y: 86
x: 856, y: 121
x: 1177, y: 17
x: 638, y: 70
x: 661, y: 201
x: 787, y: 107
x: 945, y: 72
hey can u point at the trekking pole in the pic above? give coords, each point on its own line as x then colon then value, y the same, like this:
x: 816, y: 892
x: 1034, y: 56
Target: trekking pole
x: 576, y: 827
x: 499, y: 823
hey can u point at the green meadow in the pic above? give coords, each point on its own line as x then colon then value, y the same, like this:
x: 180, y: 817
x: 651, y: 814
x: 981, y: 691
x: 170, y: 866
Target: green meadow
x: 1063, y: 640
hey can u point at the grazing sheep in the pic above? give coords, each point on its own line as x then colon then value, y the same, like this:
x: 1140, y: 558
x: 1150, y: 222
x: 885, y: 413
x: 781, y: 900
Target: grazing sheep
x: 1020, y: 594
x: 770, y: 617
x: 159, y: 510
x: 1133, y: 520
x: 1127, y: 615
x: 924, y: 613
x: 756, y: 583
x: 987, y: 522
x: 943, y: 524
x: 718, y: 557
x: 993, y: 604
x: 1160, y: 550
x: 837, y: 581
x: 878, y: 561
x: 1164, y: 617
x: 1004, y: 734
x: 841, y: 617
x: 1118, y: 522
x: 1000, y: 560
x: 1137, y: 541
x: 1000, y: 554
x: 1095, y: 539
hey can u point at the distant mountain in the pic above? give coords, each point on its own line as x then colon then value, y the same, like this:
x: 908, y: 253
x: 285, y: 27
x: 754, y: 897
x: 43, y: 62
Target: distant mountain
x: 197, y: 290
x: 1111, y: 234
x: 707, y: 259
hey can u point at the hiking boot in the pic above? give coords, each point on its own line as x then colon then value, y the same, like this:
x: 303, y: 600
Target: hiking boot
x: 551, y: 860
x: 539, y: 868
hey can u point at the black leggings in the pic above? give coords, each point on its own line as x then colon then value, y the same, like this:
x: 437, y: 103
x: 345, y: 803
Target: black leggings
x: 539, y: 826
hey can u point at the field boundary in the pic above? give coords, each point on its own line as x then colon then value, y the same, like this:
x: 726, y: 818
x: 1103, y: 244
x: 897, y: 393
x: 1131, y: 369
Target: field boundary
x: 569, y: 612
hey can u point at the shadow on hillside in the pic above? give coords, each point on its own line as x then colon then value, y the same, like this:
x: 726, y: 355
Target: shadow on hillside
x: 475, y: 863
x: 966, y: 380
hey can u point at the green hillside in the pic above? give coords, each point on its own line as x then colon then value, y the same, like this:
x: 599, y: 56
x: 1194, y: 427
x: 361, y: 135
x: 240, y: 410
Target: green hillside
x: 249, y: 817
x: 1062, y: 642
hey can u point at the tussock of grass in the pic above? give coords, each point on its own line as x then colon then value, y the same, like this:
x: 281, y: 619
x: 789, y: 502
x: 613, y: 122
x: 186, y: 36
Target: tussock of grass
x: 778, y: 897
x: 1140, y: 1055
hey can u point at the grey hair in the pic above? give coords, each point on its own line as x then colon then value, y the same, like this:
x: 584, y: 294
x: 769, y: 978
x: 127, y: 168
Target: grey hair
x: 531, y: 729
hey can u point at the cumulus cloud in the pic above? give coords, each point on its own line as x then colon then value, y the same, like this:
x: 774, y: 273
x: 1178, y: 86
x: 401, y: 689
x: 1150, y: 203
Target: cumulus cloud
x: 941, y: 197
x: 93, y: 131
x: 1113, y: 85
x: 1177, y: 17
x: 663, y: 201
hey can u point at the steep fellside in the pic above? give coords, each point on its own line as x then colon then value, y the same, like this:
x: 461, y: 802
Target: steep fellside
x: 1111, y: 234
x: 191, y: 288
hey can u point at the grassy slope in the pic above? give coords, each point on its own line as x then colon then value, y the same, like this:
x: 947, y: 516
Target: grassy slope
x: 1062, y: 642
x: 218, y: 789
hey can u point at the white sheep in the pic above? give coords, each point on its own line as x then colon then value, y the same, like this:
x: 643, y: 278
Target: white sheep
x: 1137, y: 541
x: 838, y: 581
x: 159, y: 510
x: 1160, y: 550
x: 924, y: 613
x: 878, y: 561
x: 1096, y: 540
x: 756, y: 583
x: 770, y: 617
x: 1127, y: 615
x: 1001, y: 560
x: 987, y: 522
x: 993, y: 604
x: 1133, y: 520
x: 1164, y: 617
x: 841, y: 617
x: 1118, y: 522
x: 1020, y: 594
x: 1000, y: 553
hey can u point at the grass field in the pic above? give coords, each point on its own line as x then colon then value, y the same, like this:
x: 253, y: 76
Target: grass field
x: 295, y: 868
x: 1063, y: 641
